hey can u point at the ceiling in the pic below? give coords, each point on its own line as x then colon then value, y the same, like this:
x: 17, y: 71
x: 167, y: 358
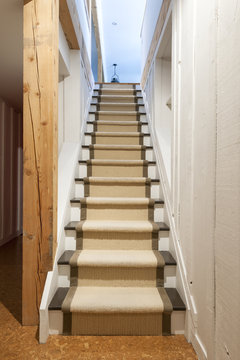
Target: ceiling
x: 121, y: 42
x: 11, y: 22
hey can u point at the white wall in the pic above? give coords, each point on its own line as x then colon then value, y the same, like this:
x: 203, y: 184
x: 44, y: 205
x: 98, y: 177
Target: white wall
x: 152, y: 11
x: 163, y: 119
x: 85, y: 23
x: 227, y: 237
x: 203, y: 202
x: 10, y: 173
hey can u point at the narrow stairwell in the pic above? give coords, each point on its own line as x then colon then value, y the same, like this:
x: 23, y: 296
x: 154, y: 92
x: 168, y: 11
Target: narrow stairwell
x: 117, y: 276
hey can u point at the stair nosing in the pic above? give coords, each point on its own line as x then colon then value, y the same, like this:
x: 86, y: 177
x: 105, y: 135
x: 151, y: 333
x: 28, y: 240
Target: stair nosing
x: 149, y: 162
x: 82, y: 179
x: 72, y: 226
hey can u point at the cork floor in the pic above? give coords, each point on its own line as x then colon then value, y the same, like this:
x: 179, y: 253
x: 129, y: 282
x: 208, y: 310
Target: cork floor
x: 20, y: 343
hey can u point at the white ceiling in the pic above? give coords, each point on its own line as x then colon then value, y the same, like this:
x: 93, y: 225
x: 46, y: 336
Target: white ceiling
x: 11, y: 45
x: 122, y: 43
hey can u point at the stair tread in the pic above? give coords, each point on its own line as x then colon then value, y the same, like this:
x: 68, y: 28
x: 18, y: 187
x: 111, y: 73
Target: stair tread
x: 58, y: 298
x: 121, y: 112
x: 117, y: 104
x: 117, y: 133
x: 117, y: 225
x: 83, y: 179
x: 168, y: 258
x: 117, y: 122
x: 77, y: 200
x: 61, y: 292
x: 116, y: 299
x: 117, y: 200
x: 116, y: 162
x: 119, y: 147
x: 117, y: 96
x: 124, y: 179
x: 118, y: 258
x: 66, y: 256
x: 176, y: 300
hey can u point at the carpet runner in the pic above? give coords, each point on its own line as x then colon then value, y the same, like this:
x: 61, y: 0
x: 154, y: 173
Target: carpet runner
x: 117, y: 272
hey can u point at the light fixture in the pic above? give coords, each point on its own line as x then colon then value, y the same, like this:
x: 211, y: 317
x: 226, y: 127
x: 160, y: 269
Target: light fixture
x: 115, y: 77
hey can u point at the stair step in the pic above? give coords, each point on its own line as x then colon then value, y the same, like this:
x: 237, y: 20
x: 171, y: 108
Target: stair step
x: 161, y: 225
x: 66, y: 256
x: 118, y: 126
x: 117, y: 106
x: 168, y: 258
x: 81, y: 180
x: 115, y: 152
x: 79, y: 200
x: 176, y: 300
x: 117, y: 147
x: 105, y: 133
x: 61, y: 292
x: 58, y: 298
x: 121, y: 162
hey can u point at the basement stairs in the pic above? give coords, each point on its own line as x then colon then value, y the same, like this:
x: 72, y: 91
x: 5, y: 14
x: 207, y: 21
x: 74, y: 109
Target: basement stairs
x: 117, y: 276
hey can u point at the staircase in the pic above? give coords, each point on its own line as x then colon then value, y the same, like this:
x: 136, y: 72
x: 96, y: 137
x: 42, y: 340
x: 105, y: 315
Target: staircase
x: 117, y: 276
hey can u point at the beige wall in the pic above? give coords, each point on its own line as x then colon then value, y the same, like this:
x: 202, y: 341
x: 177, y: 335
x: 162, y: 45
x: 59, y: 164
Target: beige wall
x: 10, y: 173
x: 202, y: 202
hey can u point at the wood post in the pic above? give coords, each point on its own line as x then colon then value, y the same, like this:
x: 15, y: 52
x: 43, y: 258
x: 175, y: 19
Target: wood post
x: 40, y: 114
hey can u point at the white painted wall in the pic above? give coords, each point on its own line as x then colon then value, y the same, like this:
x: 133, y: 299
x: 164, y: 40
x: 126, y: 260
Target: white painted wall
x: 85, y: 24
x: 10, y: 173
x: 203, y: 201
x: 227, y: 236
x: 163, y: 120
x: 152, y: 11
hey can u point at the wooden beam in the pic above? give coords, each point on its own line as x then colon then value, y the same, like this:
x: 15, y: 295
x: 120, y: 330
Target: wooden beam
x: 69, y: 18
x: 97, y: 36
x: 40, y: 116
x: 67, y: 25
x: 156, y: 36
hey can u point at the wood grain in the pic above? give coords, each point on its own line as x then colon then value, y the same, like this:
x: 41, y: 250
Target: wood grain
x: 97, y: 36
x: 69, y: 19
x: 40, y: 150
x: 155, y: 40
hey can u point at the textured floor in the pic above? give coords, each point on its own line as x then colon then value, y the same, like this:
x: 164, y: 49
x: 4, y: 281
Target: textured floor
x: 20, y: 343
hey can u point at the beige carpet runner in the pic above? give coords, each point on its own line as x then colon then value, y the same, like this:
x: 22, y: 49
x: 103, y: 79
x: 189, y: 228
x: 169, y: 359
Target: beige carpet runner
x: 117, y: 273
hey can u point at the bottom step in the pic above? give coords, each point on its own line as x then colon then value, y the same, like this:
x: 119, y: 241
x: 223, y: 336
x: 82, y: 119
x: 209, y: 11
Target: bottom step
x: 144, y: 320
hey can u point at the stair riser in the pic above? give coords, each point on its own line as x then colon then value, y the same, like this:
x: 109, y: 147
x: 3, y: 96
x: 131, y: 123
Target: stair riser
x: 118, y: 99
x: 117, y: 190
x: 116, y: 117
x: 114, y: 277
x: 154, y: 190
x: 113, y: 154
x: 117, y: 241
x: 114, y: 86
x: 118, y: 128
x: 116, y: 171
x: 177, y: 323
x: 110, y: 277
x: 115, y: 214
x: 117, y: 140
x: 116, y: 92
x: 116, y: 107
x: 101, y: 212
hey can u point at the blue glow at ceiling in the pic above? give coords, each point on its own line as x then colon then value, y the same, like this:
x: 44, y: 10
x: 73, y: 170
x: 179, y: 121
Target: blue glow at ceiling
x: 122, y: 42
